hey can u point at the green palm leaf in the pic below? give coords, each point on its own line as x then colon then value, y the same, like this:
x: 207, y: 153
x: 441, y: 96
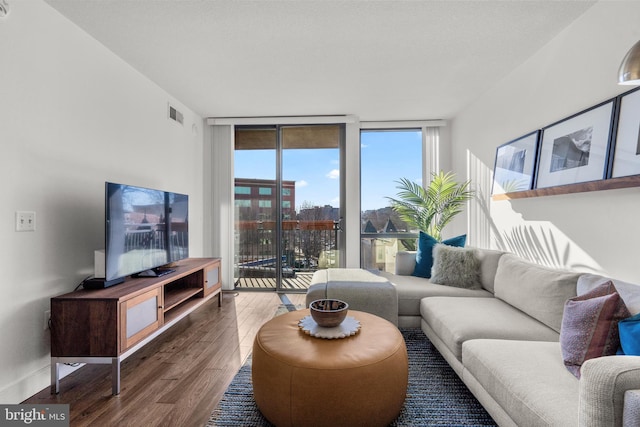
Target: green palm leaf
x: 430, y: 209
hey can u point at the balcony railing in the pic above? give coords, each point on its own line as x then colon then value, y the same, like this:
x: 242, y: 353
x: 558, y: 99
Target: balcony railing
x: 306, y: 247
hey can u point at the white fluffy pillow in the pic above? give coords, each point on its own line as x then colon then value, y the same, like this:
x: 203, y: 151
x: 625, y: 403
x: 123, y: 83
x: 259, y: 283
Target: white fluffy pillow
x: 457, y: 267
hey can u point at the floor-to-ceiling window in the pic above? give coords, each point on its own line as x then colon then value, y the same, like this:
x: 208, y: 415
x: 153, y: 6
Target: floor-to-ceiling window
x: 287, y: 195
x: 386, y: 155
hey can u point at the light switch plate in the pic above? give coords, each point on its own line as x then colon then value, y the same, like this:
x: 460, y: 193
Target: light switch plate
x: 25, y: 221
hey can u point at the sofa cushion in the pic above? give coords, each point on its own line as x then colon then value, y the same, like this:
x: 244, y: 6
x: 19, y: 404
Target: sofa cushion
x: 590, y: 326
x: 526, y: 378
x: 424, y: 256
x: 458, y: 267
x: 405, y: 263
x: 456, y: 320
x: 629, y: 292
x: 488, y: 266
x: 412, y: 289
x: 538, y: 291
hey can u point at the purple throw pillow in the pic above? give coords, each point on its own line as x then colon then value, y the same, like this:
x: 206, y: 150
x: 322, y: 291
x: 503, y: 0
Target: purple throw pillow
x: 590, y: 326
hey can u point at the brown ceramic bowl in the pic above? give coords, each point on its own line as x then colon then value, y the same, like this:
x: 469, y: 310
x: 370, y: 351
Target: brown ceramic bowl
x: 328, y: 313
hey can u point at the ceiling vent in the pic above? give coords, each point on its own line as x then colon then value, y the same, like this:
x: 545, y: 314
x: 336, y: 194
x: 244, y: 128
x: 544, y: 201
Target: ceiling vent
x: 175, y: 115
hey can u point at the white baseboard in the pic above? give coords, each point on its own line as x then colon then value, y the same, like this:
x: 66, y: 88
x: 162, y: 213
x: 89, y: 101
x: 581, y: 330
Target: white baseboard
x: 21, y: 390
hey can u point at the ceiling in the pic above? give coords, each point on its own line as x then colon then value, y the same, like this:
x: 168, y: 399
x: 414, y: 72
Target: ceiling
x: 379, y: 60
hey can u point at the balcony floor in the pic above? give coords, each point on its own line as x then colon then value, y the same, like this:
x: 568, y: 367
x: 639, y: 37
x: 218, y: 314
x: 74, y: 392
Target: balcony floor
x: 299, y: 283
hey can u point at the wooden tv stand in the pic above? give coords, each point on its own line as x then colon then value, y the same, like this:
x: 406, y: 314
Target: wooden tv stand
x: 108, y: 325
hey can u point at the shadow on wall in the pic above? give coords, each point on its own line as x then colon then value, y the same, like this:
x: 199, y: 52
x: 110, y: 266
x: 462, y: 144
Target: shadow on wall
x: 544, y: 244
x: 497, y: 225
x: 538, y: 241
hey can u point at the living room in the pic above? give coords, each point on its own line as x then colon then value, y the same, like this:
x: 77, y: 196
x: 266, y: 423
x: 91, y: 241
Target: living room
x: 76, y: 115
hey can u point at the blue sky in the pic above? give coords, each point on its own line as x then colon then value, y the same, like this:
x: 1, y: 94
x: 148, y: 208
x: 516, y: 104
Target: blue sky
x: 385, y: 158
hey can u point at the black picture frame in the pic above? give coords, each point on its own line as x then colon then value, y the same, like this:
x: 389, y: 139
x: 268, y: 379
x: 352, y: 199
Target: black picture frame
x: 514, y: 166
x: 625, y: 151
x: 576, y: 149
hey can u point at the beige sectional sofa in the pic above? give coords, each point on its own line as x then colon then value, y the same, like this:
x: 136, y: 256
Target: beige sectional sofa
x: 503, y: 342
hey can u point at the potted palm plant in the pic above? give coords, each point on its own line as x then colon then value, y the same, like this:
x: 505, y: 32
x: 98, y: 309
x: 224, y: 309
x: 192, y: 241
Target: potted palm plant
x: 429, y: 209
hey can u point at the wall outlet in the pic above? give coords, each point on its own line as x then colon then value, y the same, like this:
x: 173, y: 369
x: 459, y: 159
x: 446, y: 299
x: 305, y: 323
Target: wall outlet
x: 47, y: 317
x: 25, y: 221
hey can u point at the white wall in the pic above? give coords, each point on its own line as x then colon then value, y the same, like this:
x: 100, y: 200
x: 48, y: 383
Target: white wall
x: 594, y: 231
x: 72, y: 116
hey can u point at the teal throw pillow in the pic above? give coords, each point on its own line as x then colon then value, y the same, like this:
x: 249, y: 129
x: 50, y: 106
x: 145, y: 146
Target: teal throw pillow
x: 424, y: 256
x: 629, y: 330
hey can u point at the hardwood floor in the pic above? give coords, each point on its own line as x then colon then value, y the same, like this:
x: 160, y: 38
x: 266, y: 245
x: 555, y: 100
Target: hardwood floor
x: 178, y: 378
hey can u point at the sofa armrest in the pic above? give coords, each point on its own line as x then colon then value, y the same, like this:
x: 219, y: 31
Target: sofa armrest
x: 603, y: 383
x: 405, y: 263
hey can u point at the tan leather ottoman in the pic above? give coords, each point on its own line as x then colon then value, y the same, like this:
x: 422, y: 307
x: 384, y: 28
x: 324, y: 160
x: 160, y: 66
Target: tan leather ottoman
x: 299, y: 380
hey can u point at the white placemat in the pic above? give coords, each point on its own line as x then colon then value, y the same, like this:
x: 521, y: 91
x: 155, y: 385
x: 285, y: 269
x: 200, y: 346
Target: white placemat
x: 349, y: 326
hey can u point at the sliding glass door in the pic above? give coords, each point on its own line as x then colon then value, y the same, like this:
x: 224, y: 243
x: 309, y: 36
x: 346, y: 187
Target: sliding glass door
x: 288, y: 192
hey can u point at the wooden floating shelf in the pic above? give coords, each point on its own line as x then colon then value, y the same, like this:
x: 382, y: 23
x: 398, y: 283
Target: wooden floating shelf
x: 605, y: 184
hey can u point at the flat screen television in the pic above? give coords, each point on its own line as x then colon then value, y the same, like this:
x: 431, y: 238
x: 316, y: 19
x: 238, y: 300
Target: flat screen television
x: 145, y: 231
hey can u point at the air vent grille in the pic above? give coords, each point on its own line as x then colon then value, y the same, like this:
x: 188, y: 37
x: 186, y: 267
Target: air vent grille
x: 175, y: 115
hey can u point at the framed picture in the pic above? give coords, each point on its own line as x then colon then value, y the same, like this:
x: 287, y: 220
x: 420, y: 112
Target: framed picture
x: 575, y: 149
x: 515, y: 164
x: 626, y: 156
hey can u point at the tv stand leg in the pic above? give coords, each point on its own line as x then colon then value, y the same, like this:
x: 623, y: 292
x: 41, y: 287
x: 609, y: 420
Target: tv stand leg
x: 115, y: 376
x: 55, y: 376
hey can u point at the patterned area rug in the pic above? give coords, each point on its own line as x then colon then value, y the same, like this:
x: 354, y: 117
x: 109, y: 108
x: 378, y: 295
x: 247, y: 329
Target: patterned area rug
x: 435, y: 397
